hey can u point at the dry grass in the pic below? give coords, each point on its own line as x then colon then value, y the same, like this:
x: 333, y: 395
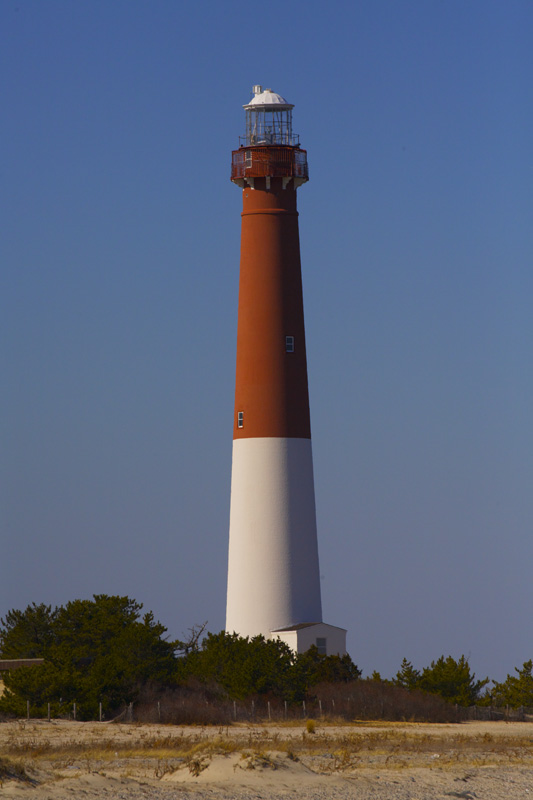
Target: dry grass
x: 12, y: 769
x: 156, y: 750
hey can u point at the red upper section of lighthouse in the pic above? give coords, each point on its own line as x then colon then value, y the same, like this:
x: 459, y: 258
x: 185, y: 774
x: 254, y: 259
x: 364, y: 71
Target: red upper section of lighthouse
x: 271, y: 394
x: 271, y: 379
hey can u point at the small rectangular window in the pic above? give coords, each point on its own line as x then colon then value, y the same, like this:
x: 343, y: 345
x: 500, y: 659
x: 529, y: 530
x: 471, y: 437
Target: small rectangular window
x: 289, y: 344
x: 248, y: 158
x: 321, y: 646
x: 240, y: 419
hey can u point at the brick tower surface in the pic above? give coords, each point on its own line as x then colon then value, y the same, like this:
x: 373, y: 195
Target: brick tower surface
x: 273, y: 569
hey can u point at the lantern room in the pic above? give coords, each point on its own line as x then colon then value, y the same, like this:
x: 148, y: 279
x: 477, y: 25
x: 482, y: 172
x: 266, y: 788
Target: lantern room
x: 268, y: 120
x: 269, y: 149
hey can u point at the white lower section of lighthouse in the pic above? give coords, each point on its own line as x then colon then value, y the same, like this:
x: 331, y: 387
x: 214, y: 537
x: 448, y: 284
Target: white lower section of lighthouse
x: 273, y: 572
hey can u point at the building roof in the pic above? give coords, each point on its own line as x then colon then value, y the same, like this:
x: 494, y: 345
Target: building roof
x: 296, y: 627
x: 268, y: 98
x: 306, y: 625
x: 16, y: 663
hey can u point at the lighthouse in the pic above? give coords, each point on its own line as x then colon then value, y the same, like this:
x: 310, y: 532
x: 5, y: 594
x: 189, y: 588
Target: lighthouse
x: 273, y: 566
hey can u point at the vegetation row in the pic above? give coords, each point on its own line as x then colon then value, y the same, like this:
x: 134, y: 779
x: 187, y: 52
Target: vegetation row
x: 104, y: 653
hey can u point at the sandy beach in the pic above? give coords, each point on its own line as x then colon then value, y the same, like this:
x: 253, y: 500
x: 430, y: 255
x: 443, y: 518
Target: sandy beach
x: 59, y: 759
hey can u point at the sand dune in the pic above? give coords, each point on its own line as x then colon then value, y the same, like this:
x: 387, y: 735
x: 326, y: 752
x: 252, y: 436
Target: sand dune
x: 61, y: 760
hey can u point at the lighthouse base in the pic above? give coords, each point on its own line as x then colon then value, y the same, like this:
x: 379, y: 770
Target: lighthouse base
x: 273, y: 574
x: 328, y: 639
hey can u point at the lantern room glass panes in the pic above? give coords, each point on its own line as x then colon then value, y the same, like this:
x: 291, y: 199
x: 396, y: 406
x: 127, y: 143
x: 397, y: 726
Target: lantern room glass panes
x: 266, y: 125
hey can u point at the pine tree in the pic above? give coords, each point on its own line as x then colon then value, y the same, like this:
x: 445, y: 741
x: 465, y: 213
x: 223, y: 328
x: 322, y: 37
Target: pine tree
x: 27, y: 634
x: 452, y: 680
x: 516, y: 690
x: 407, y: 676
x: 94, y: 651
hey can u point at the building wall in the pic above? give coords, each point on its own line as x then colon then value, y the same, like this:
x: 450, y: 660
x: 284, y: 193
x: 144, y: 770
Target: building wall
x: 301, y: 639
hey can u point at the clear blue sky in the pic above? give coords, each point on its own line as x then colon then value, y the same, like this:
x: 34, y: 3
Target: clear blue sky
x: 119, y: 259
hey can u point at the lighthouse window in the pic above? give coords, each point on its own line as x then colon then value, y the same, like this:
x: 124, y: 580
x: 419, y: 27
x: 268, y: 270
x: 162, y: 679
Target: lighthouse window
x: 289, y: 344
x: 240, y: 419
x: 321, y: 646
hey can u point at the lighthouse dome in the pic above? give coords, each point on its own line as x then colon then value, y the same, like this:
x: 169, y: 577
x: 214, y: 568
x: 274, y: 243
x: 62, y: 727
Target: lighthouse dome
x: 266, y: 97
